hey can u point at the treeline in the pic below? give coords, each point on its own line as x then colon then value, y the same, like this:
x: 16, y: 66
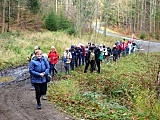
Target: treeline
x: 131, y: 16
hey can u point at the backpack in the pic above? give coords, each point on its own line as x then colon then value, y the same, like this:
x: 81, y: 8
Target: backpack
x: 64, y: 60
x: 92, y: 56
x: 101, y: 56
x: 114, y: 51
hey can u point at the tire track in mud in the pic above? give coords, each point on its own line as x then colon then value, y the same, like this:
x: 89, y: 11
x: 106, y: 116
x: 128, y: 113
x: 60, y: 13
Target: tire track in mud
x: 17, y: 102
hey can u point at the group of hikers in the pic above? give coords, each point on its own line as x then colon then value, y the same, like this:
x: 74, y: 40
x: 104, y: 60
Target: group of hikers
x: 93, y: 55
x: 77, y: 55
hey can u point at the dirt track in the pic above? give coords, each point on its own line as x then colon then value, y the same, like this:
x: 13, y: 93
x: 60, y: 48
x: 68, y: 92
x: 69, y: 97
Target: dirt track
x: 17, y: 101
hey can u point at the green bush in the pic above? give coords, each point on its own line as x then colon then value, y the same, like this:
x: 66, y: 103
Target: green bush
x: 157, y: 36
x: 71, y: 31
x: 51, y: 22
x: 142, y: 36
x: 63, y: 22
x: 34, y: 6
x: 58, y: 22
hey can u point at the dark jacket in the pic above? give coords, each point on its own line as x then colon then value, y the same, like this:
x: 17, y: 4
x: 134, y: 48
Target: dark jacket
x: 97, y: 53
x: 114, y: 51
x: 36, y: 67
x: 73, y: 52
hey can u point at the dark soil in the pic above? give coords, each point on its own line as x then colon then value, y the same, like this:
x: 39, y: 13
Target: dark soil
x: 17, y: 101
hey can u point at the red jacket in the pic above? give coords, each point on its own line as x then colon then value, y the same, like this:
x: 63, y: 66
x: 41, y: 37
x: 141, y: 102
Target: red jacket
x: 83, y: 50
x: 123, y: 45
x: 53, y: 57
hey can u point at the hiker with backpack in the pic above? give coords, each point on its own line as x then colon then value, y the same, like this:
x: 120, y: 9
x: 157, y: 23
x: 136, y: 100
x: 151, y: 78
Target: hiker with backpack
x: 78, y: 51
x: 124, y: 47
x: 109, y: 53
x: 53, y: 59
x: 86, y: 51
x: 90, y: 60
x: 114, y: 53
x: 67, y: 56
x: 133, y: 47
x: 83, y: 53
x: 98, y: 58
x: 119, y: 49
x: 73, y: 52
x: 105, y: 52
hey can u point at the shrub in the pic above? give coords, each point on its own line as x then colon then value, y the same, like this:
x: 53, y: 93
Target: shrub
x: 63, y: 22
x: 51, y: 22
x: 34, y: 6
x: 157, y: 36
x: 71, y: 31
x: 142, y: 36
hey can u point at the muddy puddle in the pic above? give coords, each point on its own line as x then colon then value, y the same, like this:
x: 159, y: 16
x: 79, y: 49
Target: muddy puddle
x: 20, y: 73
x: 6, y: 79
x: 13, y: 75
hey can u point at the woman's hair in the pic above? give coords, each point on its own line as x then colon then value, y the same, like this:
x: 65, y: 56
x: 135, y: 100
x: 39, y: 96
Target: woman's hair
x: 38, y: 51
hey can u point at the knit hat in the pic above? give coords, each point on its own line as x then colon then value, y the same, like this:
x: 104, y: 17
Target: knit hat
x: 37, y: 47
x: 67, y: 48
x: 52, y: 47
x: 72, y: 46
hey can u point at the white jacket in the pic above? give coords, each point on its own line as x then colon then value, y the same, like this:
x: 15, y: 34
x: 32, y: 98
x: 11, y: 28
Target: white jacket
x: 68, y: 56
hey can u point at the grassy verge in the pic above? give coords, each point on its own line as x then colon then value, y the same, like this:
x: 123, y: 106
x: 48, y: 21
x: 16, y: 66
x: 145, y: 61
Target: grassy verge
x: 123, y: 90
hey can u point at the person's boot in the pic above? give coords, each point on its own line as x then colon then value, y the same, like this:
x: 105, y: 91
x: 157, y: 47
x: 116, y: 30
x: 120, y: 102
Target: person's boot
x: 44, y: 97
x: 32, y: 87
x: 39, y: 106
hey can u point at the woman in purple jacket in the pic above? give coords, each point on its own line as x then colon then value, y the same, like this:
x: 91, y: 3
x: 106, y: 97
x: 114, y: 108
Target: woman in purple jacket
x: 39, y: 69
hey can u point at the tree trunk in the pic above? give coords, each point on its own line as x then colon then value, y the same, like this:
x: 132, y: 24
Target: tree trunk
x: 3, y: 16
x: 18, y: 12
x: 150, y: 21
x: 141, y: 24
x: 154, y: 18
x: 8, y: 28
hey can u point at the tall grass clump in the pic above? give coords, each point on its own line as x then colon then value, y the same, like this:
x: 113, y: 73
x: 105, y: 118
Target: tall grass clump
x: 124, y: 89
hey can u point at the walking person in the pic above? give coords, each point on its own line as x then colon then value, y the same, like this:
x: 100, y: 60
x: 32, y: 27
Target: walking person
x: 114, y: 53
x: 133, y: 47
x: 67, y: 56
x: 39, y: 69
x: 30, y: 57
x: 123, y: 47
x: 83, y: 54
x: 97, y: 58
x: 119, y: 49
x: 53, y: 59
x: 79, y: 55
x: 90, y: 60
x: 73, y: 52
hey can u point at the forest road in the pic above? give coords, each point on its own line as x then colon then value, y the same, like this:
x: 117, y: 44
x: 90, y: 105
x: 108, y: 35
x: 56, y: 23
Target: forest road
x: 17, y: 101
x: 147, y: 46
